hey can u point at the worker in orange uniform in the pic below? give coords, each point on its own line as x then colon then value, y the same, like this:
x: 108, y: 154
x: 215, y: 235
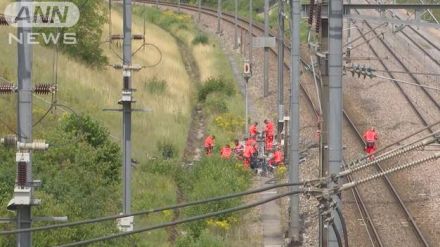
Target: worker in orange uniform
x: 238, y: 149
x: 278, y: 158
x: 226, y: 152
x: 269, y: 133
x: 209, y: 144
x: 370, y: 138
x: 247, y: 154
x: 253, y: 131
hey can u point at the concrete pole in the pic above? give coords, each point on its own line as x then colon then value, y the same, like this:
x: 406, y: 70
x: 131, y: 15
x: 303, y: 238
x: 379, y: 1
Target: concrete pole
x: 251, y: 24
x: 178, y: 6
x: 24, y: 124
x: 157, y: 3
x: 266, y: 50
x: 219, y: 15
x: 200, y: 9
x: 295, y: 73
x: 335, y: 98
x: 280, y: 68
x: 126, y: 107
x: 235, y: 25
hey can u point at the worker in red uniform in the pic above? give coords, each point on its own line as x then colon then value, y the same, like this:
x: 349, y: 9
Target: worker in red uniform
x: 269, y: 133
x: 278, y: 157
x: 226, y: 152
x: 209, y: 144
x: 370, y: 138
x: 253, y: 131
x: 238, y: 149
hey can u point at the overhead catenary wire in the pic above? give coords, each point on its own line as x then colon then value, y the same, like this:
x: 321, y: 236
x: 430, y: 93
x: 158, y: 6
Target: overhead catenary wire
x: 409, y: 83
x: 182, y: 205
x: 182, y: 221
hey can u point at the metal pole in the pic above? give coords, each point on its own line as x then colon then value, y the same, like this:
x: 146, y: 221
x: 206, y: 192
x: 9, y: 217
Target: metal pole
x: 348, y: 56
x: 126, y: 107
x: 157, y: 3
x: 219, y: 14
x: 323, y: 151
x: 335, y: 98
x: 294, y: 118
x: 24, y: 124
x: 235, y: 25
x: 246, y: 105
x: 250, y: 30
x: 266, y: 50
x: 110, y: 22
x: 280, y: 68
x: 178, y: 6
x: 200, y: 9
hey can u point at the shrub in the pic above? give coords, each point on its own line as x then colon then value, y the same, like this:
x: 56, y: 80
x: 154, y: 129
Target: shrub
x: 213, y: 85
x: 156, y: 86
x: 200, y: 38
x: 167, y: 149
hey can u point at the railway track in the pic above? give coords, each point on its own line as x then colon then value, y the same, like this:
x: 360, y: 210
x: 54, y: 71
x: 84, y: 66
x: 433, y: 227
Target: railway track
x: 434, y: 102
x: 420, y: 35
x: 371, y: 228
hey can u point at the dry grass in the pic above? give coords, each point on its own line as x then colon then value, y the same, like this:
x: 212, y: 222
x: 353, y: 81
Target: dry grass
x: 89, y: 91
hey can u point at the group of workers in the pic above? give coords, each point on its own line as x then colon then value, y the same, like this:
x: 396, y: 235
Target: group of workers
x: 248, y: 150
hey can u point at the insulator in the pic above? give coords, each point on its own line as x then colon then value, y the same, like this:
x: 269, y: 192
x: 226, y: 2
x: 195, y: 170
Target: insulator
x: 9, y: 141
x: 312, y: 6
x: 318, y: 18
x: 138, y: 37
x: 36, y: 145
x: 3, y: 21
x: 45, y: 88
x: 117, y: 37
x: 22, y: 174
x: 7, y: 88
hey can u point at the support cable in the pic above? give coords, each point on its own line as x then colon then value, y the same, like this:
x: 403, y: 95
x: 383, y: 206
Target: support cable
x: 344, y: 225
x: 392, y: 154
x: 392, y: 170
x: 338, y: 236
x: 182, y: 205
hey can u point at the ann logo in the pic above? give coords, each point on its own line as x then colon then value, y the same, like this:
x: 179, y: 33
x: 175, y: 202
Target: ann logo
x: 42, y: 14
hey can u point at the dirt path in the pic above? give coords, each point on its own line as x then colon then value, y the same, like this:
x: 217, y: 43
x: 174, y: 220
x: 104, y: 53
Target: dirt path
x: 196, y: 131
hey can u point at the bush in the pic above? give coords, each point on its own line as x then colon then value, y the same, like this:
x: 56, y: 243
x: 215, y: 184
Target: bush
x: 200, y: 38
x: 213, y: 85
x: 213, y: 177
x: 167, y: 149
x: 229, y: 122
x: 156, y: 86
x: 216, y: 104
